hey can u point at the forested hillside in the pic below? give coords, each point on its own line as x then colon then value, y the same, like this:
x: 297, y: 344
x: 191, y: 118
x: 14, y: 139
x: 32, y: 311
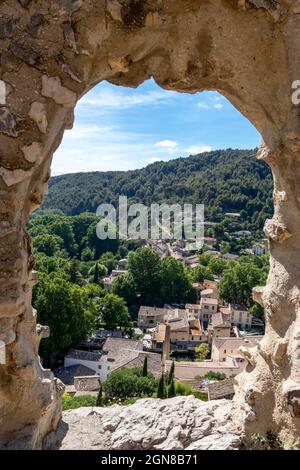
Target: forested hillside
x: 224, y: 180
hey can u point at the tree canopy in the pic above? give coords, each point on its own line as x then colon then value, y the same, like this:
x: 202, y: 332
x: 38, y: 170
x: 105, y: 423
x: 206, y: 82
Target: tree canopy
x: 230, y: 180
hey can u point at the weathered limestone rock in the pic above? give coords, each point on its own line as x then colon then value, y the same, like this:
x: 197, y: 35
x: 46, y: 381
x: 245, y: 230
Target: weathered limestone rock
x: 175, y: 424
x: 38, y: 114
x: 249, y: 50
x: 52, y: 88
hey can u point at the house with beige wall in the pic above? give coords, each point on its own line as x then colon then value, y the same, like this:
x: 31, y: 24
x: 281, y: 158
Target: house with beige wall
x: 237, y: 315
x: 227, y: 349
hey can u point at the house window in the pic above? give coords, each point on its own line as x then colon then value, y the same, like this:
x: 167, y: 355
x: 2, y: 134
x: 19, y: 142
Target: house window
x: 99, y: 367
x: 224, y: 351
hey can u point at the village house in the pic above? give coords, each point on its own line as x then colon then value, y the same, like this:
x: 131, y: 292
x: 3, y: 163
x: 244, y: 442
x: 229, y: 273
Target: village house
x: 149, y: 317
x: 88, y: 359
x: 69, y: 374
x: 220, y: 327
x: 238, y: 315
x: 185, y: 334
x: 204, y: 310
x: 209, y: 294
x: 188, y: 371
x: 259, y: 249
x: 227, y: 349
x: 119, y: 353
x: 192, y: 261
x: 114, y: 274
x: 209, y: 241
x: 209, y: 284
x: 116, y: 353
x: 230, y: 257
x: 209, y: 306
x: 214, y: 253
x: 118, y: 272
x: 160, y: 247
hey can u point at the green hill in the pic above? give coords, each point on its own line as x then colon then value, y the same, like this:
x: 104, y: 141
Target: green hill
x: 224, y: 180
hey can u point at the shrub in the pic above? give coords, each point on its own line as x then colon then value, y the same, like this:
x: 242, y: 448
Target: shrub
x: 215, y: 375
x: 183, y: 388
x: 127, y: 383
x: 201, y: 395
x: 70, y: 403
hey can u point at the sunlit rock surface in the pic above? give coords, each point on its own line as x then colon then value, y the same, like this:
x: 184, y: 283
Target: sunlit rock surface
x: 176, y: 423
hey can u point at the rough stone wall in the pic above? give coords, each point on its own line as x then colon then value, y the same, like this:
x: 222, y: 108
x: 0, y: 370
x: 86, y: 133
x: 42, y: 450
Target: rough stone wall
x: 54, y: 52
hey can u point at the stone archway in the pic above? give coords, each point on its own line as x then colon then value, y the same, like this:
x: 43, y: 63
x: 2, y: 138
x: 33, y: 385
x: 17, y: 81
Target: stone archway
x: 54, y: 52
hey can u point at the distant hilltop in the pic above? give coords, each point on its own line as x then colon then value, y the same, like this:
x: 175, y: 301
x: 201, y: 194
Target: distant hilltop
x: 225, y: 181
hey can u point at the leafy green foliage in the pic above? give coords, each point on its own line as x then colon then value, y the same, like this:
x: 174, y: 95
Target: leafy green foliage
x: 201, y: 395
x: 70, y: 403
x: 127, y: 383
x: 154, y: 281
x: 238, y: 280
x: 214, y: 375
x: 182, y: 388
x: 202, y: 352
x: 66, y: 309
x: 144, y: 266
x: 270, y: 442
x: 114, y: 312
x: 124, y: 287
x: 224, y: 180
x: 175, y: 284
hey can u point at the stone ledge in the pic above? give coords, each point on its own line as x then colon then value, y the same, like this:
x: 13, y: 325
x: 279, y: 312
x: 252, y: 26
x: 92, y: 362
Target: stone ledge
x: 173, y: 424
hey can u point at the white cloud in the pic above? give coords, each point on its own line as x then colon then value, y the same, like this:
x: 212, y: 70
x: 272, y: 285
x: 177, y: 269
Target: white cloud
x: 167, y: 144
x: 202, y: 105
x: 116, y: 98
x: 212, y: 101
x: 87, y: 131
x: 195, y: 149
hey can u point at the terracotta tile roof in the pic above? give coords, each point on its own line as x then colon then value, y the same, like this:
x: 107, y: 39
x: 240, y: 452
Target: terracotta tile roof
x: 207, y: 300
x: 225, y: 310
x: 234, y: 343
x: 160, y: 333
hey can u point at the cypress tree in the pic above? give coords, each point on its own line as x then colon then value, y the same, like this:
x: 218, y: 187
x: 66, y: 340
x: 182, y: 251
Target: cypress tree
x: 161, y: 391
x: 99, y: 401
x: 171, y: 389
x: 171, y: 373
x: 145, y: 367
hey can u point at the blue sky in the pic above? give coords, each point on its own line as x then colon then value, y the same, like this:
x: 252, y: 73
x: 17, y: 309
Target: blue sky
x: 120, y: 128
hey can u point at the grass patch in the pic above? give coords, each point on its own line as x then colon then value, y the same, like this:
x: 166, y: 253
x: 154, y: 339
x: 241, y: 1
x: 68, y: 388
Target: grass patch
x: 201, y: 395
x: 71, y: 403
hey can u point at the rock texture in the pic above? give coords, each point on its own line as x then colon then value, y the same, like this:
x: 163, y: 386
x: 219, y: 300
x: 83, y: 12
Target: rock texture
x: 52, y: 53
x: 173, y: 424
